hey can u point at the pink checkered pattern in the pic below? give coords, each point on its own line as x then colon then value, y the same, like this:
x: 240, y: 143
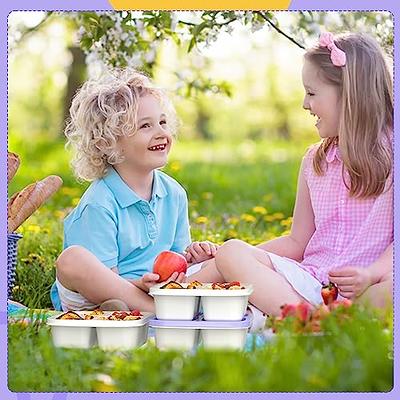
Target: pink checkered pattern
x: 348, y: 231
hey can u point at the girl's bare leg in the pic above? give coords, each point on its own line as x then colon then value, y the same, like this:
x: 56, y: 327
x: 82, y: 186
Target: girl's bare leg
x: 379, y: 295
x: 80, y: 270
x: 207, y: 273
x: 237, y: 260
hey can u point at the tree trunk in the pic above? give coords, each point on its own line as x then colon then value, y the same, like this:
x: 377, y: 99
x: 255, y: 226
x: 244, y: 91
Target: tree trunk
x: 76, y: 76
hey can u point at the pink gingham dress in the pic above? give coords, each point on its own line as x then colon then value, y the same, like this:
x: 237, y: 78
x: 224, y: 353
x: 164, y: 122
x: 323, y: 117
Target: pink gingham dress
x: 348, y: 231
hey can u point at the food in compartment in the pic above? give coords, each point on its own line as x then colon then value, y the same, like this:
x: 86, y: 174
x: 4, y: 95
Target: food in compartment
x: 172, y: 285
x: 95, y: 314
x: 234, y: 285
x: 69, y: 315
x: 194, y: 285
x: 125, y: 315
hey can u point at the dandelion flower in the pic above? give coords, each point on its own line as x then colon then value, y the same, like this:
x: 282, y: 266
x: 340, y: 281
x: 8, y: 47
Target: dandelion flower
x: 260, y: 210
x: 201, y: 220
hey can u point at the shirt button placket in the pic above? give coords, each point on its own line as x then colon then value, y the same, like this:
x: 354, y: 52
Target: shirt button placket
x: 150, y: 220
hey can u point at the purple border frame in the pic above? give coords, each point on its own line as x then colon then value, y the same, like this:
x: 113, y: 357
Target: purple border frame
x: 68, y: 5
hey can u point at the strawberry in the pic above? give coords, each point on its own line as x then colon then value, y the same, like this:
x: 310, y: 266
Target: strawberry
x: 329, y: 292
x: 345, y: 303
x: 288, y: 310
x: 303, y: 311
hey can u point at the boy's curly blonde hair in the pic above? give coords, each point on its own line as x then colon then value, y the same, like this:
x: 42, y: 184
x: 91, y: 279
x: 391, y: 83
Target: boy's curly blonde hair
x: 103, y: 110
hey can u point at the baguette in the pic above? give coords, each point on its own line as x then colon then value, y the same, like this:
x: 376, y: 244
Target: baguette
x: 24, y: 203
x: 12, y: 165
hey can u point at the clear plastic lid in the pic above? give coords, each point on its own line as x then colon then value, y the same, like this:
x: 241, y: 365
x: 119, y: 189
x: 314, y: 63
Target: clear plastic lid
x: 200, y: 323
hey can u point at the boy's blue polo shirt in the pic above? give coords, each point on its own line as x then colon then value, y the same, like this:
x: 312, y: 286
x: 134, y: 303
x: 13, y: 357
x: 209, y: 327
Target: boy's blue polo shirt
x: 123, y: 230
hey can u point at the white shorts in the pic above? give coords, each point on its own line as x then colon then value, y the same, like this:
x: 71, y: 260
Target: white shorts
x: 194, y: 268
x: 302, y: 281
x: 71, y: 300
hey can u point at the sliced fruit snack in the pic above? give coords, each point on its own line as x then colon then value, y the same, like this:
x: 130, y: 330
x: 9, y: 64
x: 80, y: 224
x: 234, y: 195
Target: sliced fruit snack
x: 172, y: 285
x: 125, y: 315
x: 69, y: 315
x: 194, y: 285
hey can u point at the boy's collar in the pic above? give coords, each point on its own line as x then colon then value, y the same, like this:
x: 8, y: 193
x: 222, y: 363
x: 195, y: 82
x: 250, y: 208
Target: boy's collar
x: 124, y: 195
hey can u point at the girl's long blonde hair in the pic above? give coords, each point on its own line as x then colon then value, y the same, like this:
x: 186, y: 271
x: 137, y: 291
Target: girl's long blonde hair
x: 366, y: 121
x: 103, y: 110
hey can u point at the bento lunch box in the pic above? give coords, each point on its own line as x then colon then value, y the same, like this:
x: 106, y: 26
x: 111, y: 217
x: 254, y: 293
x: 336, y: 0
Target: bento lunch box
x: 107, y: 334
x: 216, y: 305
x: 187, y: 335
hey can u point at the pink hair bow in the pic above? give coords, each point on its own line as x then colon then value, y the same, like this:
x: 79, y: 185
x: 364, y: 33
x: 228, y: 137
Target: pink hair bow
x: 338, y: 57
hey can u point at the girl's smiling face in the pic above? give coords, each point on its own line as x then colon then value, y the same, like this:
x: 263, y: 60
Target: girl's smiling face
x: 322, y: 100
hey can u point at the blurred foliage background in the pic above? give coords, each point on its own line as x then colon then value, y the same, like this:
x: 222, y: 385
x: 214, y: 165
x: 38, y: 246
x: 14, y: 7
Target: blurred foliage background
x: 235, y: 79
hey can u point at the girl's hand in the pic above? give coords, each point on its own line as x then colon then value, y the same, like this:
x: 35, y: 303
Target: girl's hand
x: 351, y: 281
x: 200, y: 251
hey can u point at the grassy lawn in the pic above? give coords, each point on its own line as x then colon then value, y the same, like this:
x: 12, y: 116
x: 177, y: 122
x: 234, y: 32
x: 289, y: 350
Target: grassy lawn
x: 242, y: 190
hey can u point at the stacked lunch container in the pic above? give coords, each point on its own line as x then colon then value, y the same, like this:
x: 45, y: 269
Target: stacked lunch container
x: 193, y: 315
x: 85, y: 329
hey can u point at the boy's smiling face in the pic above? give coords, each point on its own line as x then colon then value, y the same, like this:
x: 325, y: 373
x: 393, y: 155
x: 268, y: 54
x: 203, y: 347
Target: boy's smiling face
x: 148, y: 148
x: 322, y: 100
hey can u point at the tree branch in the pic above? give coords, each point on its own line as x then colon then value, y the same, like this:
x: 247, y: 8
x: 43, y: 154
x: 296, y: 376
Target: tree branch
x: 29, y: 31
x: 279, y: 30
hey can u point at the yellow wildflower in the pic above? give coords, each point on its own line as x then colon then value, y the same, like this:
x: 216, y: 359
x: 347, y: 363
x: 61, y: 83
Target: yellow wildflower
x: 233, y: 220
x: 194, y: 203
x: 70, y: 191
x: 75, y: 201
x: 175, y: 166
x: 248, y: 218
x: 59, y: 214
x: 207, y: 195
x: 232, y: 234
x: 269, y: 218
x: 201, y: 220
x: 34, y: 228
x: 278, y: 215
x: 287, y: 222
x: 260, y: 210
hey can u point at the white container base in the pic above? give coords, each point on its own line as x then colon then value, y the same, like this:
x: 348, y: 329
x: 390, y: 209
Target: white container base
x: 108, y: 334
x: 176, y: 307
x: 73, y: 337
x: 230, y: 308
x: 176, y: 338
x: 234, y: 339
x: 121, y: 338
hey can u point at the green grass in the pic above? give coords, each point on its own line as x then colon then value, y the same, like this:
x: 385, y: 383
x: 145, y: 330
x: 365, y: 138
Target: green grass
x: 235, y: 190
x: 354, y: 355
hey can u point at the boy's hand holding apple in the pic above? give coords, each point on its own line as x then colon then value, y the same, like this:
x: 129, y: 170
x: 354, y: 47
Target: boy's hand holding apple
x: 170, y: 266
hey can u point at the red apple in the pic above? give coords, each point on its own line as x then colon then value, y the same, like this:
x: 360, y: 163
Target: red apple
x: 168, y: 262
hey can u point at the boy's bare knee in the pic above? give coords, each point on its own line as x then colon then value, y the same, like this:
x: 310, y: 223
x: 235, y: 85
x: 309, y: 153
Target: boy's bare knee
x: 67, y: 259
